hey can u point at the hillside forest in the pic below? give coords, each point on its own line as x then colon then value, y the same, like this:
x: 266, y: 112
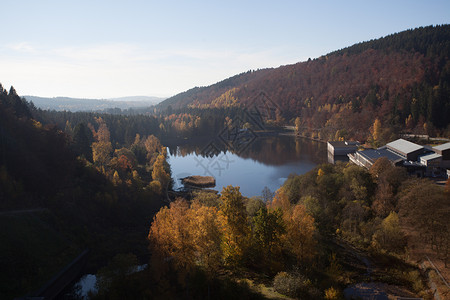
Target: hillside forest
x: 295, y: 241
x: 402, y: 80
x: 71, y: 181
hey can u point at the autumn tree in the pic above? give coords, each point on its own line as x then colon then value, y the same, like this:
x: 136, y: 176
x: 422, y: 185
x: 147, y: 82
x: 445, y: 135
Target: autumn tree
x: 281, y: 201
x: 206, y: 198
x: 153, y: 146
x: 426, y: 207
x: 312, y: 206
x: 160, y: 173
x: 102, y: 147
x: 380, y: 166
x: 206, y: 236
x: 298, y: 123
x: 268, y: 228
x: 124, y: 162
x: 385, y: 200
x: 116, y: 178
x: 376, y: 132
x: 139, y: 150
x: 390, y: 236
x: 234, y: 224
x: 253, y: 205
x: 359, y: 183
x: 170, y: 234
x: 389, y: 179
x: 300, y: 234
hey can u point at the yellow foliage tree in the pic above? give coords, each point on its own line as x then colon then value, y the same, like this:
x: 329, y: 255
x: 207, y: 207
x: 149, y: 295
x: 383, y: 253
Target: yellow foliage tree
x: 300, y: 231
x: 170, y: 234
x: 153, y: 146
x: 281, y: 201
x: 376, y: 132
x: 102, y: 148
x: 159, y: 173
x: 116, y: 178
x: 332, y: 294
x: 390, y: 236
x: 298, y: 123
x: 320, y: 173
x: 233, y: 218
x: 206, y: 235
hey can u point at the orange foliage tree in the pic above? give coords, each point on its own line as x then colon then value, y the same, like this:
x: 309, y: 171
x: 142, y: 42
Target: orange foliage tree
x: 300, y: 231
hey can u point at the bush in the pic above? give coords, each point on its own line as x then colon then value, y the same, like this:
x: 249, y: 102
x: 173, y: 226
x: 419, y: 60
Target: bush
x: 295, y: 285
x: 332, y: 294
x: 155, y: 187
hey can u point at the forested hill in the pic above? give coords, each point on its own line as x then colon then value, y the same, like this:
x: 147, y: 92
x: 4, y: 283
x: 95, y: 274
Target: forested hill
x: 77, y: 104
x: 401, y: 79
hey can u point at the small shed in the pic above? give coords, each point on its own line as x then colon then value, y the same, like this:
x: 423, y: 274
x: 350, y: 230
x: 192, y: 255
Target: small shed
x: 443, y: 150
x: 431, y: 160
x: 342, y: 147
x: 433, y: 164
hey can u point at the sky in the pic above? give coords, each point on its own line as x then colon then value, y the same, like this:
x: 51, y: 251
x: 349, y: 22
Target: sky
x: 105, y: 49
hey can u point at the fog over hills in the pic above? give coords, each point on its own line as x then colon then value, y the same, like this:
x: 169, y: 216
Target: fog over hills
x: 79, y: 104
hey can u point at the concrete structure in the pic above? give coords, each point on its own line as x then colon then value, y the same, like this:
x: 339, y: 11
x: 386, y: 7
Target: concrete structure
x: 444, y: 150
x: 338, y: 150
x: 368, y: 157
x: 432, y: 162
x: 406, y: 149
x: 418, y: 160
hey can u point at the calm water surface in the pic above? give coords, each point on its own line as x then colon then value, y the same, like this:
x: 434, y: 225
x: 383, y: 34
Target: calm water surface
x: 266, y: 161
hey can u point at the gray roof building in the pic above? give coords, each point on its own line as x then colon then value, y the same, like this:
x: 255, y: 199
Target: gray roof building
x: 431, y: 160
x: 368, y: 157
x: 341, y: 147
x: 443, y: 150
x: 406, y: 149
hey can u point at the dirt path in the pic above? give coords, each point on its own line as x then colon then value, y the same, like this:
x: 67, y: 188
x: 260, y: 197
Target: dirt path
x: 422, y: 254
x: 368, y: 287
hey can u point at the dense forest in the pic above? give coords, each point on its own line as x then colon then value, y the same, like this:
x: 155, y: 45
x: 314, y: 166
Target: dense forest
x: 402, y: 79
x: 298, y: 239
x: 396, y: 84
x: 61, y: 194
x: 101, y: 181
x: 88, y: 187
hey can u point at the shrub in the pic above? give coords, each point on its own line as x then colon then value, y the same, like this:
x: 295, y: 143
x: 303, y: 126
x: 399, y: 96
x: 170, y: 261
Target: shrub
x: 332, y: 294
x: 295, y: 285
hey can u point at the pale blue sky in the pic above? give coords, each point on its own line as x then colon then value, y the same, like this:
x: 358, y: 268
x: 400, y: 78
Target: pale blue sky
x: 103, y: 49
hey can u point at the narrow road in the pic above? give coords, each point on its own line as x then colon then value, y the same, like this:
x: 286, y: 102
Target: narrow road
x: 23, y: 211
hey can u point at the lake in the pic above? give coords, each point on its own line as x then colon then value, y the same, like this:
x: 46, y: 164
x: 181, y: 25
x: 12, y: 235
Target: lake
x: 262, y: 161
x: 253, y: 164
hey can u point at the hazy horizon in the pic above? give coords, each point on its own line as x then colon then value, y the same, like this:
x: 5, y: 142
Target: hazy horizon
x: 110, y: 49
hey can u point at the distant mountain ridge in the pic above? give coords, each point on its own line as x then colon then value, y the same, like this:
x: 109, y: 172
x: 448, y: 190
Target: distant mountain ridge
x: 80, y: 104
x: 402, y: 79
